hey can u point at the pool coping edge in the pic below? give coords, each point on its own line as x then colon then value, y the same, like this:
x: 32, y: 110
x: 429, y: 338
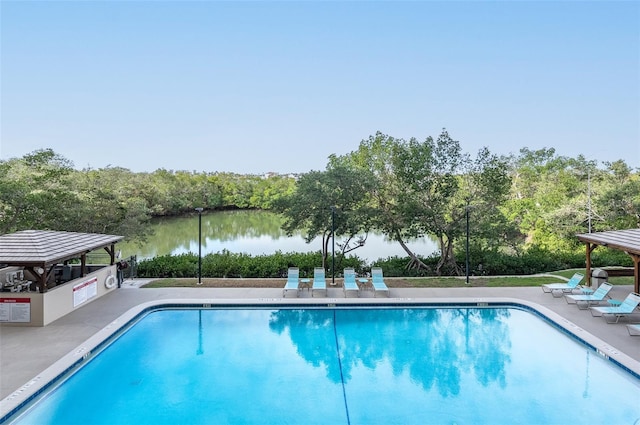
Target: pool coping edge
x: 74, y: 359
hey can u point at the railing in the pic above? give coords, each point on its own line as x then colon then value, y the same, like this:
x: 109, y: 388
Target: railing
x: 128, y: 267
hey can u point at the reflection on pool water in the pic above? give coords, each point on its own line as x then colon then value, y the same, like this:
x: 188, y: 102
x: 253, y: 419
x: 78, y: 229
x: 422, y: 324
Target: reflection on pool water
x: 343, y: 366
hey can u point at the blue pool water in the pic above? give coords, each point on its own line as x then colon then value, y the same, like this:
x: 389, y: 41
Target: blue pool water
x: 343, y: 366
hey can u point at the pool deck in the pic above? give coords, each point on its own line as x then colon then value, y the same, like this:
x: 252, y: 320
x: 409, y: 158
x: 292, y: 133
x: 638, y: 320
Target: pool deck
x: 25, y: 352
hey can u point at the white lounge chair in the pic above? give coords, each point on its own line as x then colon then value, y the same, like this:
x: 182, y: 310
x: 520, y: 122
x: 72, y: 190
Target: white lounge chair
x: 350, y: 284
x: 587, y: 300
x: 563, y: 288
x: 292, y: 281
x: 319, y: 281
x: 377, y: 281
x: 627, y: 307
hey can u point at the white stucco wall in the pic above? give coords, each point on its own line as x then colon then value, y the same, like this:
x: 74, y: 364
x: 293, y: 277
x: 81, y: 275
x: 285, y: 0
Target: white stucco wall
x: 59, y: 301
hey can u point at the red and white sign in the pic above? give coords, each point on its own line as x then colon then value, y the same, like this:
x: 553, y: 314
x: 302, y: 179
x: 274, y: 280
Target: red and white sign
x: 85, y: 291
x: 15, y: 310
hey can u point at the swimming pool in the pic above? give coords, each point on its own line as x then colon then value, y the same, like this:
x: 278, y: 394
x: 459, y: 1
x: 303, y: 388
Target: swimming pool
x: 342, y: 365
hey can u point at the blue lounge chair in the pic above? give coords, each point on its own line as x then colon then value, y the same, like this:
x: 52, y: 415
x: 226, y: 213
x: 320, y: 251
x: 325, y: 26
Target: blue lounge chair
x: 350, y: 284
x: 596, y: 298
x: 627, y: 307
x: 292, y: 281
x: 563, y: 288
x: 377, y: 281
x: 319, y: 281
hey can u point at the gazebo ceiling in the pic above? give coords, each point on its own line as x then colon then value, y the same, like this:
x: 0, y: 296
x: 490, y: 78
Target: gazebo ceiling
x: 39, y: 248
x: 623, y: 240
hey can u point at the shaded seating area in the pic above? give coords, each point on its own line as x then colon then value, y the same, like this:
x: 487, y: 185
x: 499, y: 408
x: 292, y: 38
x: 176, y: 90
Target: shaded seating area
x: 626, y: 308
x: 40, y: 260
x: 564, y: 288
x: 377, y: 282
x: 46, y: 274
x: 319, y: 284
x: 590, y: 299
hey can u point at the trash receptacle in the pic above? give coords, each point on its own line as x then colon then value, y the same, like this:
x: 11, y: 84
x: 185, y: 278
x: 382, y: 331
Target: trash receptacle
x: 598, y: 276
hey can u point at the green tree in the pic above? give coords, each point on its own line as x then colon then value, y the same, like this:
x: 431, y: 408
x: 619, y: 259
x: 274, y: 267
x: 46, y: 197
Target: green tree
x: 35, y: 193
x: 618, y: 199
x: 109, y: 202
x: 553, y: 198
x: 545, y: 201
x: 309, y: 207
x: 374, y: 158
x: 439, y: 183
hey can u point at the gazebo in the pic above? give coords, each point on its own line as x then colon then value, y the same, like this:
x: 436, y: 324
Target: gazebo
x: 627, y: 241
x: 39, y: 251
x: 45, y: 274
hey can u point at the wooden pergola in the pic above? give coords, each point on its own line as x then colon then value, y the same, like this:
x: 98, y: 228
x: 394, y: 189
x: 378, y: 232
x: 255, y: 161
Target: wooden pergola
x: 39, y: 251
x: 627, y: 241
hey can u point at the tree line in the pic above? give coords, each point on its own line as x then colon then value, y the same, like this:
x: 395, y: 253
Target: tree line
x: 43, y: 191
x: 411, y: 188
x: 403, y: 188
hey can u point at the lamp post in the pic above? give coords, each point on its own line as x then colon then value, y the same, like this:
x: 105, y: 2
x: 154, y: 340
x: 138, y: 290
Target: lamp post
x: 199, y: 209
x: 589, y: 197
x: 333, y: 245
x: 467, y: 246
x: 589, y: 165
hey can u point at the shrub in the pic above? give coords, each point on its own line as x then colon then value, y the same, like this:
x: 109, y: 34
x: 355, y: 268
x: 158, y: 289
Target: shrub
x: 226, y: 264
x: 482, y: 262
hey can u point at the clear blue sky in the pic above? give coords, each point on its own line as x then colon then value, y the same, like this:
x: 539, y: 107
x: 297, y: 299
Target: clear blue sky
x: 251, y: 87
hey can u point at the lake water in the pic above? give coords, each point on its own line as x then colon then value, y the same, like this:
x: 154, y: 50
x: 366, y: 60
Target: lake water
x: 253, y: 233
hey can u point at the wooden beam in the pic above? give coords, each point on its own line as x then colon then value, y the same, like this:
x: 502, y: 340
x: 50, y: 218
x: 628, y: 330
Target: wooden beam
x: 40, y: 278
x: 112, y: 253
x: 48, y: 274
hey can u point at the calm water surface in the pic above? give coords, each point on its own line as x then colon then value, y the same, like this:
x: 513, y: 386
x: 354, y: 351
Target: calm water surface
x: 335, y: 366
x: 254, y: 233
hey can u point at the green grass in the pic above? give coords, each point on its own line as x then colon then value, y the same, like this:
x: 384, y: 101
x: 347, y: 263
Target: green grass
x: 172, y: 283
x: 421, y: 282
x: 618, y: 280
x: 493, y: 282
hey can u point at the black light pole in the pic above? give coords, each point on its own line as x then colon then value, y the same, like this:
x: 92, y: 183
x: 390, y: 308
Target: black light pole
x: 333, y: 245
x: 199, y: 209
x: 589, y: 196
x: 467, y: 248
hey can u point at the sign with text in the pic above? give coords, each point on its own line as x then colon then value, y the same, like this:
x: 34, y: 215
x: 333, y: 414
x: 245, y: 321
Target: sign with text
x: 15, y: 310
x: 85, y: 291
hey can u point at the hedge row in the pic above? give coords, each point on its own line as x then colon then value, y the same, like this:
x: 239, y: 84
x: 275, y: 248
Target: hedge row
x: 489, y: 263
x: 231, y: 265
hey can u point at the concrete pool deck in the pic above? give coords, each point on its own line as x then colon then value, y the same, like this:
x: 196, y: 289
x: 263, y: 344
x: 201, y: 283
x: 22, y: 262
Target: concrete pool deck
x: 25, y: 352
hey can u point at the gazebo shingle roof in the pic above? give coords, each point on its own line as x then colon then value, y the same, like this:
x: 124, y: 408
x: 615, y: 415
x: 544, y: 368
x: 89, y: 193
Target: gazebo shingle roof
x: 625, y: 240
x: 43, y: 247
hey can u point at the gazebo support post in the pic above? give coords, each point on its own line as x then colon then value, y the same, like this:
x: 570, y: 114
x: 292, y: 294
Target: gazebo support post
x: 111, y: 250
x: 627, y: 241
x: 83, y: 265
x: 590, y: 248
x: 636, y: 273
x: 43, y: 281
